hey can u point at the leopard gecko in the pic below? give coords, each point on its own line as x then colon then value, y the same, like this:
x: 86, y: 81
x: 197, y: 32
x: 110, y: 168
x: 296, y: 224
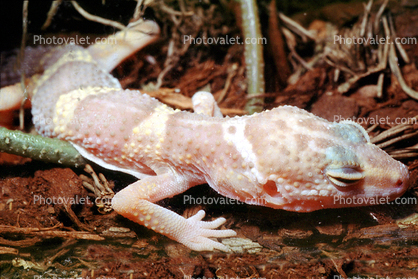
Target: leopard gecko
x: 284, y: 158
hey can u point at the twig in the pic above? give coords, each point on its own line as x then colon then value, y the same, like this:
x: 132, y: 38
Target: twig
x: 52, y: 11
x: 22, y: 55
x: 27, y: 242
x: 393, y: 135
x: 393, y: 63
x: 171, y: 11
x: 101, y: 189
x: 231, y: 74
x: 379, y: 93
x: 380, y: 67
x: 277, y: 45
x: 378, y: 16
x: 50, y: 233
x: 173, y: 54
x: 366, y: 14
x: 371, y: 128
x: 138, y: 11
x: 404, y: 156
x: 297, y: 28
x: 392, y: 141
x: 8, y: 250
x: 398, y: 46
x: 94, y: 18
x: 390, y: 133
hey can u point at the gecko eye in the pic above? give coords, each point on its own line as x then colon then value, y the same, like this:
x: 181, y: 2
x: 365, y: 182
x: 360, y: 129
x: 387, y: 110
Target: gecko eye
x: 344, y: 176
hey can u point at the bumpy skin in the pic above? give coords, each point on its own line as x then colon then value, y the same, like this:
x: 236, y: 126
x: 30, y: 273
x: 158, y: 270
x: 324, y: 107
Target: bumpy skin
x: 285, y: 158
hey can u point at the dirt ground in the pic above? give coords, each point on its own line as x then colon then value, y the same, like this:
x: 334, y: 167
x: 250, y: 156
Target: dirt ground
x: 42, y: 236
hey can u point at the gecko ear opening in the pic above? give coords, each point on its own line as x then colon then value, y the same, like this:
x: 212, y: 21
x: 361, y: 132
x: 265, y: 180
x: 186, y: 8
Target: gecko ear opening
x: 270, y: 188
x: 344, y: 176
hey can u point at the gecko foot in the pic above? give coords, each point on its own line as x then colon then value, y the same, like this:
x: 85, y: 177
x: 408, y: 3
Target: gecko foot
x: 199, y: 236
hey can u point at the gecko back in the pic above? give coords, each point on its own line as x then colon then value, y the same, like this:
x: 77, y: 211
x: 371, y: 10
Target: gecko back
x: 74, y: 70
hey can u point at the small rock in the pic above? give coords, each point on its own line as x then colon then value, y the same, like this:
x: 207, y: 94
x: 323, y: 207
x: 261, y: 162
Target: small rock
x: 241, y: 245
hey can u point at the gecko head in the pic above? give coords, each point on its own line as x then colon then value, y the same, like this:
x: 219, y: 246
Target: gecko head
x: 360, y: 169
x: 364, y: 175
x: 351, y: 172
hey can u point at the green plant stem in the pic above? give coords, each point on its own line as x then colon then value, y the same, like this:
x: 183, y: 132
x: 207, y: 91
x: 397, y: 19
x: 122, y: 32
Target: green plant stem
x: 253, y: 55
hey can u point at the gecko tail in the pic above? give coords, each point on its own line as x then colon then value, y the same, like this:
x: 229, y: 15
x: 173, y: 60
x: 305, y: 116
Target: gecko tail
x: 112, y: 50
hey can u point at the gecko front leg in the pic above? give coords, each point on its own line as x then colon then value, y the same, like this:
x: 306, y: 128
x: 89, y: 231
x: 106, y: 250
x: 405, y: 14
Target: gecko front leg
x: 204, y: 103
x: 136, y: 202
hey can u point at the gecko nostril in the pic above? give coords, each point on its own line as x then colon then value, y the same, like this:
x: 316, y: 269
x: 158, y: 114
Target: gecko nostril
x: 399, y: 183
